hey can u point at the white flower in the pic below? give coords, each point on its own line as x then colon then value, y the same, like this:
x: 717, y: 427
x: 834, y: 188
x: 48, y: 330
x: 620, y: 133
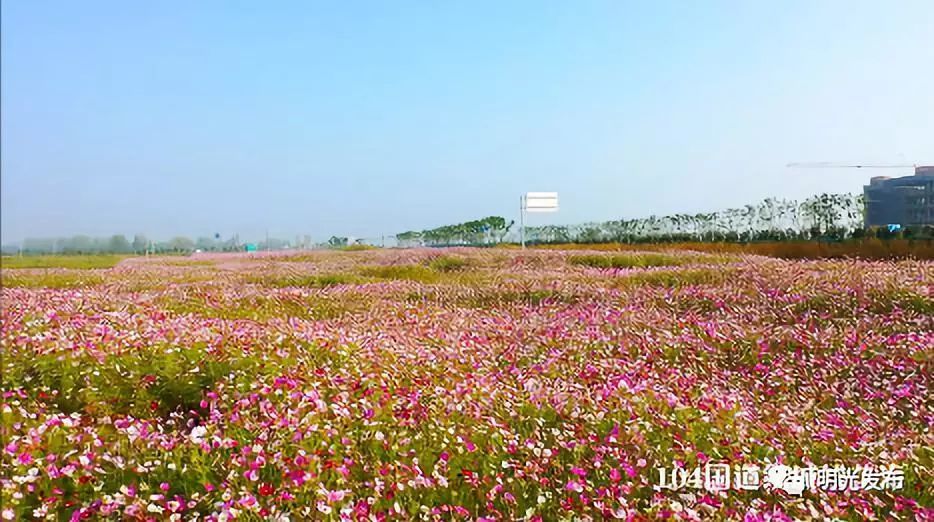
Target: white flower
x: 197, y: 434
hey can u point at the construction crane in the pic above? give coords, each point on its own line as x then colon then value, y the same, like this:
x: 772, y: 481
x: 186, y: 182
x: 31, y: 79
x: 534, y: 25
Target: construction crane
x: 831, y: 165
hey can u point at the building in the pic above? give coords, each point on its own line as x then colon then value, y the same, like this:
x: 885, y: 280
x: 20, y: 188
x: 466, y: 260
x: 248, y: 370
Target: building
x: 905, y: 201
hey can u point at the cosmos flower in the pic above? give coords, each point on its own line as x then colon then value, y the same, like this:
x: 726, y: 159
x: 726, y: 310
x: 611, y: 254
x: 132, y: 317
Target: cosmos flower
x: 369, y: 385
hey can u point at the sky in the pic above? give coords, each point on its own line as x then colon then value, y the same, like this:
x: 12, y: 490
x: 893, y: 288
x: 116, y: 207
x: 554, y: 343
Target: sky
x: 369, y: 118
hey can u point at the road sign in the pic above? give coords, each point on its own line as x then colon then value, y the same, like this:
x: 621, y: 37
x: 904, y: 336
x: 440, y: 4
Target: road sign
x: 535, y: 202
x: 541, y: 202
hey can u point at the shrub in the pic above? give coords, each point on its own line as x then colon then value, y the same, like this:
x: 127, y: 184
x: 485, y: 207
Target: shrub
x: 51, y: 279
x: 63, y: 261
x: 626, y: 261
x: 418, y: 273
x: 306, y: 281
x: 447, y: 263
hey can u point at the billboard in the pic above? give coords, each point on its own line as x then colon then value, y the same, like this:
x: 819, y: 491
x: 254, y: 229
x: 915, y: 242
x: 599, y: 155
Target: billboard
x: 541, y: 202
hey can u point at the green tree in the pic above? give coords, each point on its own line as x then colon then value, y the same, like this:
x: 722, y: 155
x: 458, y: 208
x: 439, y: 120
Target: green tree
x: 140, y: 243
x: 181, y: 244
x: 118, y: 244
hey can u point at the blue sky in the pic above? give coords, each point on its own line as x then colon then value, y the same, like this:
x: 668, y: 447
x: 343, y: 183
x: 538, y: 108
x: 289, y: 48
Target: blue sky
x: 364, y: 118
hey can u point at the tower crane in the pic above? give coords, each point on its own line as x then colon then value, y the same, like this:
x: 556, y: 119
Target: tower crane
x: 832, y: 165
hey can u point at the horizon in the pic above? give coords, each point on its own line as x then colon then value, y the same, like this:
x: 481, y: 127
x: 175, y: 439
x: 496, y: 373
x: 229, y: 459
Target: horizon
x: 190, y: 120
x: 512, y: 234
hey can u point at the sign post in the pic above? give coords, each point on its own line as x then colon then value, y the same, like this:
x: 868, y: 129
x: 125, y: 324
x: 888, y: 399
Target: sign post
x: 535, y: 202
x: 522, y: 221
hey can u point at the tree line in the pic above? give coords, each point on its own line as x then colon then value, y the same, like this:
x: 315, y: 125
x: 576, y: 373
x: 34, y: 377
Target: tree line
x: 825, y: 217
x: 140, y: 244
x: 486, y: 231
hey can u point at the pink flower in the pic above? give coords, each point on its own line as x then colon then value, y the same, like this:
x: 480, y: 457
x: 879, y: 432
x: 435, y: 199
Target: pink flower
x: 630, y: 471
x: 336, y: 496
x: 574, y: 486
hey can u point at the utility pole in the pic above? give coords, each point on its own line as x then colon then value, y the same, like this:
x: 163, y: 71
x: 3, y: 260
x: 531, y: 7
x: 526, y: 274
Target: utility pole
x: 267, y: 240
x: 522, y: 220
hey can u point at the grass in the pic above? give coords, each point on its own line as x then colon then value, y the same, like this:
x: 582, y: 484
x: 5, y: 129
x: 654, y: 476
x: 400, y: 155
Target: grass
x: 131, y: 383
x: 448, y: 263
x: 259, y: 308
x: 63, y: 261
x: 190, y: 262
x: 65, y: 279
x: 625, y: 261
x: 357, y: 248
x: 677, y: 278
x: 488, y: 299
x: 419, y: 273
x: 870, y: 248
x: 307, y: 281
x: 442, y: 269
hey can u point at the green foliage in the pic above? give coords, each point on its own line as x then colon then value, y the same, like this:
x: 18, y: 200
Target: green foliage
x: 307, y: 280
x: 156, y: 378
x: 61, y: 261
x: 448, y: 263
x: 478, y: 232
x: 678, y: 278
x: 420, y: 273
x: 56, y: 279
x: 260, y: 308
x: 626, y: 261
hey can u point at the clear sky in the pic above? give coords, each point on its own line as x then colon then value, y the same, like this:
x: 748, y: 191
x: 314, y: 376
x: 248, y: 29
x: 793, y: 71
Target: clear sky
x: 362, y: 118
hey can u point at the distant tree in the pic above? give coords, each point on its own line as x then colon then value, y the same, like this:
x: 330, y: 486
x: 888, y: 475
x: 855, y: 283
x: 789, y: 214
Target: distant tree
x: 81, y: 245
x: 181, y: 244
x: 118, y: 244
x: 140, y: 243
x: 409, y: 238
x: 205, y: 244
x: 590, y: 234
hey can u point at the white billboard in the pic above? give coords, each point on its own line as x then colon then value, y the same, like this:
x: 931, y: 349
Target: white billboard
x: 541, y: 202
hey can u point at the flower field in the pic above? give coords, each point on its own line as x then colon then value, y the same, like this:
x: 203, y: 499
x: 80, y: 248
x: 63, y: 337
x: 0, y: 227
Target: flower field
x: 460, y: 384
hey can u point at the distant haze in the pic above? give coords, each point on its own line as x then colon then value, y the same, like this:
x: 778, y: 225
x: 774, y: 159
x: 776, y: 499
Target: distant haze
x: 369, y: 118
